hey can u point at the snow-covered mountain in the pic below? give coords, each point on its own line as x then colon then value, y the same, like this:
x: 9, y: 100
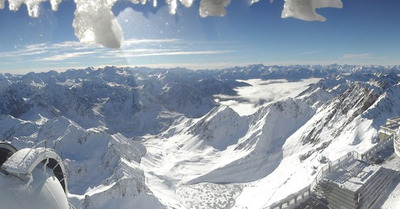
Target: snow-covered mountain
x: 175, y: 138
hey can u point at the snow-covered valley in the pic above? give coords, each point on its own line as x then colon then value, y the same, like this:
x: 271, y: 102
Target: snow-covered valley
x: 174, y: 138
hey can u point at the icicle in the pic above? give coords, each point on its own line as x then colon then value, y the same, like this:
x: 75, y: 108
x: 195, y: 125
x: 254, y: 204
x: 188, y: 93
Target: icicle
x: 172, y: 6
x: 213, y: 7
x: 54, y: 4
x: 30, y: 180
x: 186, y: 3
x: 2, y: 4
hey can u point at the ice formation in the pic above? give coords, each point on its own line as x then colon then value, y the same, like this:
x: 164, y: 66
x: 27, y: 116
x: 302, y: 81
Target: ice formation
x: 213, y: 7
x: 32, y: 5
x: 95, y: 23
x: 305, y: 9
x: 173, y: 4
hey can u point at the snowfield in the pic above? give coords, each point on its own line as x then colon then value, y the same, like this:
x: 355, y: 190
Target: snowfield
x: 173, y: 138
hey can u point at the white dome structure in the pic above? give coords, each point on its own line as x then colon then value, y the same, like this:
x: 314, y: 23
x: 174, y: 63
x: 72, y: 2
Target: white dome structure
x: 32, y: 179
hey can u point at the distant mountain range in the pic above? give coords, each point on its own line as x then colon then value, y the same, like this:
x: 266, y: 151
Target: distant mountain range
x: 150, y: 138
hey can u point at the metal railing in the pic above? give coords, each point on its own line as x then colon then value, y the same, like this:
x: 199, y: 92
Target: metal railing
x: 378, y: 147
x: 292, y: 199
x: 32, y: 149
x: 388, y: 130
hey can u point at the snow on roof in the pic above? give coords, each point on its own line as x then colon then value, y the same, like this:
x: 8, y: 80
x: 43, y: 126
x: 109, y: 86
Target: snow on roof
x: 393, y: 120
x: 25, y: 160
x: 43, y: 191
x: 354, y: 175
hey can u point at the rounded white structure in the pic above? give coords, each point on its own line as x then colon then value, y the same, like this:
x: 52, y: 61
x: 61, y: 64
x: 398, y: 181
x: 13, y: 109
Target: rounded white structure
x: 31, y: 179
x: 43, y: 192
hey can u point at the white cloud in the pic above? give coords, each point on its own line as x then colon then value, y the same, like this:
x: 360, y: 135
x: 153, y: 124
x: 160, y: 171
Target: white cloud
x: 309, y: 52
x: 42, y: 49
x: 132, y: 42
x: 77, y: 54
x: 173, y: 53
x: 35, y: 46
x: 65, y: 56
x: 25, y: 51
x: 69, y: 45
x: 358, y: 56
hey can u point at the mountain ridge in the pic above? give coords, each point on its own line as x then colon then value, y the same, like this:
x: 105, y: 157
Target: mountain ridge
x: 136, y: 136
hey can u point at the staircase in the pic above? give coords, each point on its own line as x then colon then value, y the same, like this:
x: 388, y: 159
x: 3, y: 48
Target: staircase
x: 341, y: 198
x: 322, y: 189
x: 376, y: 187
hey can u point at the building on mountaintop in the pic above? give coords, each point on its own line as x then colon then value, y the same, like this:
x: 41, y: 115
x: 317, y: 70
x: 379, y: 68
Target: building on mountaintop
x: 391, y: 127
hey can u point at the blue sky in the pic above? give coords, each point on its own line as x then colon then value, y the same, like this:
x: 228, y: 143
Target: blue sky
x: 363, y: 32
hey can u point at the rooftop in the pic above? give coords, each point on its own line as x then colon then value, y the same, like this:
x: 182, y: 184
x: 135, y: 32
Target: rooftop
x: 354, y: 175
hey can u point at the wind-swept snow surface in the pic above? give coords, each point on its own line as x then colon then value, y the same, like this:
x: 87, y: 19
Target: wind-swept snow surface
x: 95, y: 23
